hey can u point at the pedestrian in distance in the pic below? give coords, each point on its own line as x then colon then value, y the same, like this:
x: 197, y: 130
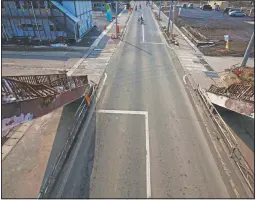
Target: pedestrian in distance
x: 225, y: 11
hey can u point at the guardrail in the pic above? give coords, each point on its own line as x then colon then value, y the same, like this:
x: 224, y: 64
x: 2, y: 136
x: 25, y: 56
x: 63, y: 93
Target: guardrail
x: 230, y: 140
x: 61, y: 157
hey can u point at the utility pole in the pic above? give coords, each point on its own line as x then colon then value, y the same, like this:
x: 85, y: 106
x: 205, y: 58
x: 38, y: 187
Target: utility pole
x: 248, y: 51
x: 170, y: 12
x: 116, y: 18
x: 159, y: 9
x: 172, y: 27
x: 36, y: 21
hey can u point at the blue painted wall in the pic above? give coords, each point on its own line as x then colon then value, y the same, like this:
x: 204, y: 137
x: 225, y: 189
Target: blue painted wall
x: 81, y: 9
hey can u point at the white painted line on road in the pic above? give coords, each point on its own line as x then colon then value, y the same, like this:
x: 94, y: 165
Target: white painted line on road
x: 184, y: 79
x: 161, y: 35
x: 143, y: 29
x: 62, y: 187
x: 147, y: 139
x: 122, y: 112
x: 148, y: 169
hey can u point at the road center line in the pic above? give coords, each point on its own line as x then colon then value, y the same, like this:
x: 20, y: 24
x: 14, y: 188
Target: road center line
x: 147, y: 140
x: 143, y: 29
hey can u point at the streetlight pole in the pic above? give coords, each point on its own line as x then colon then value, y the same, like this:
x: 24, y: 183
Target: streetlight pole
x: 116, y: 18
x: 248, y: 51
x: 170, y: 12
x: 159, y: 9
x: 172, y: 27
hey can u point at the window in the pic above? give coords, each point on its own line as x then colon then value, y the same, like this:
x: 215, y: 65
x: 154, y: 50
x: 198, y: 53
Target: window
x: 36, y: 4
x: 19, y: 3
x: 40, y: 27
x: 54, y: 28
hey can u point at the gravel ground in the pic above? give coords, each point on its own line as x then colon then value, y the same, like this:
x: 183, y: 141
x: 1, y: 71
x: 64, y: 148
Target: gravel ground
x: 214, y: 26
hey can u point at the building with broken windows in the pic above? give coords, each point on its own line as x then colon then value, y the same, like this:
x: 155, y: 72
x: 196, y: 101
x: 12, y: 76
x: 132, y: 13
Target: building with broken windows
x: 46, y: 20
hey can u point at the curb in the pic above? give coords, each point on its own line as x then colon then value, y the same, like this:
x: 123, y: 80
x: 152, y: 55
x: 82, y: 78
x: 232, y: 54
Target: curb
x: 180, y: 32
x: 91, y: 48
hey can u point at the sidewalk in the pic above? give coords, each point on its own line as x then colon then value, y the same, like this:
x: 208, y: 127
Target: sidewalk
x: 32, y: 148
x: 194, y: 62
x: 95, y: 61
x: 196, y: 65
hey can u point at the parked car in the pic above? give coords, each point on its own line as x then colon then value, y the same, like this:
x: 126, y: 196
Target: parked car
x: 184, y: 5
x: 207, y: 7
x: 190, y: 6
x: 236, y: 14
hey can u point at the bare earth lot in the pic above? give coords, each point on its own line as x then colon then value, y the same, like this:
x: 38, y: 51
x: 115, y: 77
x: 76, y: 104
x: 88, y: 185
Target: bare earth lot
x: 213, y: 25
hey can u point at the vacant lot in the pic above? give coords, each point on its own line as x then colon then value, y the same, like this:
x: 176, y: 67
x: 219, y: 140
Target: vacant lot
x: 214, y: 25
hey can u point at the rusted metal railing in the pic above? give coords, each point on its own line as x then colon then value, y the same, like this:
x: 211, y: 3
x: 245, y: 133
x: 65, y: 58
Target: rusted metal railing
x: 18, y: 88
x: 237, y: 91
x: 229, y: 138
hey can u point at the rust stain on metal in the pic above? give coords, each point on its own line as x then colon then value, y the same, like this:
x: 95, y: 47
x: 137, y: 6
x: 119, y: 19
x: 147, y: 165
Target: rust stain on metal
x: 236, y: 91
x: 28, y: 97
x: 240, y: 106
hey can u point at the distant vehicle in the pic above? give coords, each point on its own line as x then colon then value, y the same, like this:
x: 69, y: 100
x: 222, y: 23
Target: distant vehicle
x: 190, y: 5
x: 236, y: 14
x: 228, y: 10
x: 207, y: 7
x: 184, y: 5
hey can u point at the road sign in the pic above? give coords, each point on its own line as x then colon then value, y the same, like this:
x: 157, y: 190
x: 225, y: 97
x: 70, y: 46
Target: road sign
x: 226, y: 38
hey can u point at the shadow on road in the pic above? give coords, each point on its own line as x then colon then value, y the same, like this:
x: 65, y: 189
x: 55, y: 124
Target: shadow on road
x: 137, y: 47
x: 66, y: 120
x: 78, y: 181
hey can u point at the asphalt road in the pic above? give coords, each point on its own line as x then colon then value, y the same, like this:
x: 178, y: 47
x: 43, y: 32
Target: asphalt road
x: 145, y: 139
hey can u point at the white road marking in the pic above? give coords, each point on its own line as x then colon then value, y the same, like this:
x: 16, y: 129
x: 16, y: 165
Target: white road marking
x: 61, y: 190
x: 184, y: 79
x: 147, y: 138
x: 122, y: 112
x: 143, y: 29
x: 161, y: 35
